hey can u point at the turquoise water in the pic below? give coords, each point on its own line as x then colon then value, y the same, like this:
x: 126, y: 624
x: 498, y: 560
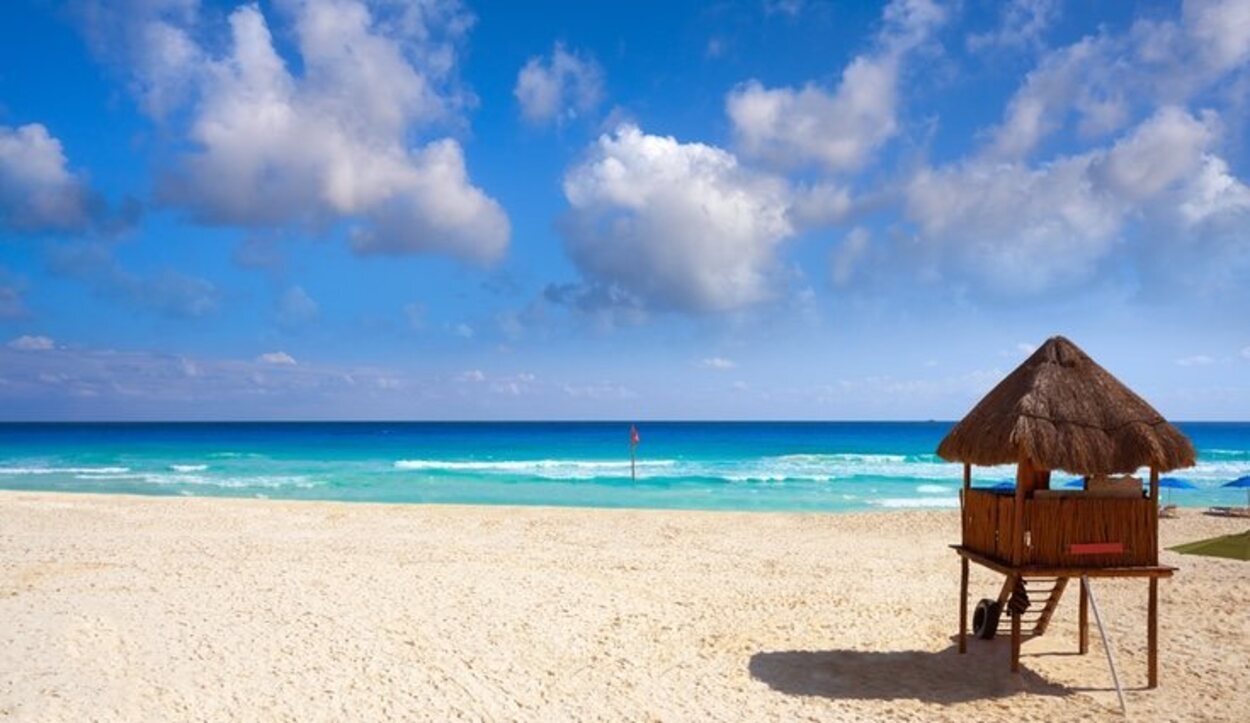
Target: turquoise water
x: 831, y: 466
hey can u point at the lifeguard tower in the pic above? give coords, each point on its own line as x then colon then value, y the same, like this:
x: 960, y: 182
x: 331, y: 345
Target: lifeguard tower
x: 1059, y: 410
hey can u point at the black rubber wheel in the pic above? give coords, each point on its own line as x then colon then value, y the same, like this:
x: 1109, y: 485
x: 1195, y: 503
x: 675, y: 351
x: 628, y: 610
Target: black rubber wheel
x: 985, y: 618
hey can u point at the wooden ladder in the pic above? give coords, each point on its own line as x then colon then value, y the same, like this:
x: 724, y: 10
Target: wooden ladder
x: 1044, y: 595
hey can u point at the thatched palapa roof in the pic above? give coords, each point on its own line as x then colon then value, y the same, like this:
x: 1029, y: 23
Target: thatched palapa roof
x: 1062, y: 411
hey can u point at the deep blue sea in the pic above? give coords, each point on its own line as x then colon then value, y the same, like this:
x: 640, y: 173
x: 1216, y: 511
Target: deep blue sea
x: 828, y: 466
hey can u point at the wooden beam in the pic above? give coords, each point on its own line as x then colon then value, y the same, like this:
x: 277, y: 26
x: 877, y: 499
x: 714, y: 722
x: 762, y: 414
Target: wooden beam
x: 1154, y: 483
x: 963, y: 605
x: 1152, y: 635
x: 1082, y: 624
x: 1050, y: 571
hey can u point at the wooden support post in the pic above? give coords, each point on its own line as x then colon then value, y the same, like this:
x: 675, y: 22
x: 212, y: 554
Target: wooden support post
x: 1152, y: 635
x: 1154, y: 515
x: 963, y: 604
x: 1015, y: 643
x: 1083, y: 622
x: 963, y: 501
x: 1024, y: 476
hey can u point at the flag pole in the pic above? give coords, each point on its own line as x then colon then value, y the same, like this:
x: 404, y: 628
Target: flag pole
x: 634, y: 439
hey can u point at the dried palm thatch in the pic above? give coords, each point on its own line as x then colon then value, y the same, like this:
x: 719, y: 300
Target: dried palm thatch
x: 1062, y: 411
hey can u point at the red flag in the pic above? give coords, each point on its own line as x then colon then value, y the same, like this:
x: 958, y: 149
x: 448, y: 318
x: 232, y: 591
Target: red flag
x: 634, y: 437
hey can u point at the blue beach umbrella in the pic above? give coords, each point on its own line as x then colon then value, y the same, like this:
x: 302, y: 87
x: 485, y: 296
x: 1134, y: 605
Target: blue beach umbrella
x: 1078, y: 482
x: 1242, y: 483
x: 1176, y: 483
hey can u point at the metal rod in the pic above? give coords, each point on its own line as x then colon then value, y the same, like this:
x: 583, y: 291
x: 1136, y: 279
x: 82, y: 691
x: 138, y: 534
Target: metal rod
x: 1106, y: 645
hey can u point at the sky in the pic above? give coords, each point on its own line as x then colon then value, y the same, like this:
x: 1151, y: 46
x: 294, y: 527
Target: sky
x: 788, y: 209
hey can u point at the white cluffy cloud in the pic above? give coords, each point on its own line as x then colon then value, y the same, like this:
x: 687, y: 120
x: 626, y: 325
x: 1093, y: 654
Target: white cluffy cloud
x: 839, y: 129
x: 1022, y: 24
x: 32, y: 343
x: 296, y: 307
x: 719, y: 363
x: 277, y: 358
x: 38, y: 192
x: 1022, y: 229
x: 331, y: 142
x: 564, y: 86
x: 680, y: 225
x: 1099, y: 79
x: 1197, y: 360
x: 844, y: 259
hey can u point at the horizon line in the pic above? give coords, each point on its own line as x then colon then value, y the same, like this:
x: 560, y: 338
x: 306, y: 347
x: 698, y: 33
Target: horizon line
x: 623, y: 420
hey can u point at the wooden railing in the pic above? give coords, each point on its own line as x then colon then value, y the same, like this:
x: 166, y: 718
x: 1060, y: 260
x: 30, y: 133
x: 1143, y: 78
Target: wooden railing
x: 1068, y: 531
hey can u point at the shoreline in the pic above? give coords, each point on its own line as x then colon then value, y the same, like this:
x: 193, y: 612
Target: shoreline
x: 871, y: 509
x: 123, y: 607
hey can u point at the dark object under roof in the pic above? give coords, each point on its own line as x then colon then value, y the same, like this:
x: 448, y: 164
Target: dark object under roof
x: 1062, y: 411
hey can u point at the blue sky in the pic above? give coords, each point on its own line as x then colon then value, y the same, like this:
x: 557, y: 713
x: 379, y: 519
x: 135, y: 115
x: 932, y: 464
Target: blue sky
x: 788, y: 209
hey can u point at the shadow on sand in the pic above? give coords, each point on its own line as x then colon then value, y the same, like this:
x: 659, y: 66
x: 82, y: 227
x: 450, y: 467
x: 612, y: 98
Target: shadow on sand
x: 934, y: 677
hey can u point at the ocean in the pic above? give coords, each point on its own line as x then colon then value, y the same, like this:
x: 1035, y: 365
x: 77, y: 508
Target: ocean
x: 795, y: 466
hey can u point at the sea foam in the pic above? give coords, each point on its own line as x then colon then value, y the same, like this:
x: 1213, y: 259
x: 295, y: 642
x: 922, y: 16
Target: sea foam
x: 63, y: 470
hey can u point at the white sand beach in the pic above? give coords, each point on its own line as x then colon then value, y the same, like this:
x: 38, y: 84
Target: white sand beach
x: 131, y: 608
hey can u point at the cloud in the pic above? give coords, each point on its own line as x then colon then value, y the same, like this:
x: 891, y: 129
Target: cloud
x: 1197, y: 360
x: 12, y: 305
x: 414, y: 315
x: 598, y: 391
x: 680, y: 226
x: 1021, y: 229
x: 326, y: 138
x: 1022, y: 23
x: 167, y: 291
x: 32, y: 343
x: 150, y: 40
x: 563, y: 87
x: 515, y: 385
x: 1101, y: 79
x: 259, y: 252
x: 844, y: 258
x: 1218, y: 31
x: 38, y: 192
x: 789, y: 8
x: 276, y: 358
x: 841, y: 129
x: 472, y: 375
x: 606, y: 305
x: 297, y: 308
x: 93, y: 383
x: 1245, y: 353
x: 718, y: 363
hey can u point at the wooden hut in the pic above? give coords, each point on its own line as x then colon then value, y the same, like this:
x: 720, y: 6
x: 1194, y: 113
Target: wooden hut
x: 1059, y: 410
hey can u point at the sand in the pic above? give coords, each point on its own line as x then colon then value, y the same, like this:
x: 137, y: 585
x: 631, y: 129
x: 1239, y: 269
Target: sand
x: 131, y: 608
